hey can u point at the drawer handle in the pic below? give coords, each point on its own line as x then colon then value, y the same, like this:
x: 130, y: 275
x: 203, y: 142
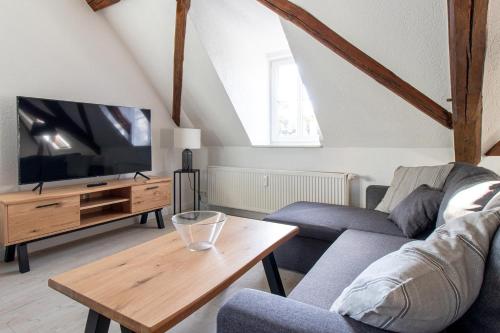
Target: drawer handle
x: 152, y: 188
x: 48, y: 205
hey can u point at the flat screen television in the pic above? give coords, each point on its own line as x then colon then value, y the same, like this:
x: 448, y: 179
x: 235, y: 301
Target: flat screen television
x: 60, y: 140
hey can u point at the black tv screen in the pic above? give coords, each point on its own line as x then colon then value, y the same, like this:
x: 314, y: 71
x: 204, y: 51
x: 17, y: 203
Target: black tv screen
x: 61, y: 140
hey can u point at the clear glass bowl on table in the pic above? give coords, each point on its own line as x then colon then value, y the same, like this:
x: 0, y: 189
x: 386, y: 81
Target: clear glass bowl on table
x: 199, y: 229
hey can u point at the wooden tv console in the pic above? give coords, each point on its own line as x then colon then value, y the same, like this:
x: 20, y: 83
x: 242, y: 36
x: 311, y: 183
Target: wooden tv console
x: 28, y: 216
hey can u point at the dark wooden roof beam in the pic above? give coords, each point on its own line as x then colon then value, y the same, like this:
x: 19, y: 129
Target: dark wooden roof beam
x: 359, y: 59
x: 467, y: 38
x: 101, y: 4
x: 180, y: 39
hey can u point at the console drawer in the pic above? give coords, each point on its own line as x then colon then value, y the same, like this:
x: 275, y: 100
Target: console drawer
x: 35, y: 219
x: 150, y: 197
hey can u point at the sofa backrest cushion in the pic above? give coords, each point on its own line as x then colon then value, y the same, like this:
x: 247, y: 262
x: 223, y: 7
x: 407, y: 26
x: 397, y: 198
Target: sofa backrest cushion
x: 468, y: 188
x: 407, y: 179
x: 484, y: 314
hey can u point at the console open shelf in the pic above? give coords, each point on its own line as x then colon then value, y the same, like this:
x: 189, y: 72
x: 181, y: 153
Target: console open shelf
x: 100, y: 202
x: 99, y: 217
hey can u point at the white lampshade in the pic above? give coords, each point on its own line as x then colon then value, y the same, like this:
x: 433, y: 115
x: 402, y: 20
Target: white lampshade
x: 187, y: 138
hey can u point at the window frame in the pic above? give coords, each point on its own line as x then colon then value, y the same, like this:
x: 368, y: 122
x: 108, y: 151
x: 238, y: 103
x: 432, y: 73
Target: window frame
x: 300, y: 139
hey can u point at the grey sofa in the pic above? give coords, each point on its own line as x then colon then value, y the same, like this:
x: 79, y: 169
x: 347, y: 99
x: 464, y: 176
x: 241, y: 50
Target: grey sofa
x: 335, y: 244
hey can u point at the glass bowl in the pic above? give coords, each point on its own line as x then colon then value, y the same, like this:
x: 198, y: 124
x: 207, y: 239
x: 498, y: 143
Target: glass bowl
x: 199, y: 229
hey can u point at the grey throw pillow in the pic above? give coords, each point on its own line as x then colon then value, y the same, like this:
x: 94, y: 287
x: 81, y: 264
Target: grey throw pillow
x: 426, y: 285
x: 406, y: 180
x: 418, y: 211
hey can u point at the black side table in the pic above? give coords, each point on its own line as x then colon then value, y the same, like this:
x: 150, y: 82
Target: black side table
x: 196, y: 190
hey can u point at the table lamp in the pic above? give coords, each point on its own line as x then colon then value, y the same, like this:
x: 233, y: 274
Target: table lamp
x: 187, y: 139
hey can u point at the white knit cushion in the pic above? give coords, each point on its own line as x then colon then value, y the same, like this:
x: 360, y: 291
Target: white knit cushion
x: 426, y: 285
x: 406, y: 180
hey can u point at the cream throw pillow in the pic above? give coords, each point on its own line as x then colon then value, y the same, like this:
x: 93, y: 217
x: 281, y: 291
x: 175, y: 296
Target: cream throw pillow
x: 406, y: 180
x: 426, y: 285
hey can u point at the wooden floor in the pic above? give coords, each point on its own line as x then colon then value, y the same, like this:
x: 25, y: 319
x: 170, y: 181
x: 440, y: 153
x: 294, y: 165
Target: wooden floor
x: 28, y: 305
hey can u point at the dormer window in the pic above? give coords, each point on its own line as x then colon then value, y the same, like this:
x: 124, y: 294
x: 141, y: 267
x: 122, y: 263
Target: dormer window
x: 293, y: 121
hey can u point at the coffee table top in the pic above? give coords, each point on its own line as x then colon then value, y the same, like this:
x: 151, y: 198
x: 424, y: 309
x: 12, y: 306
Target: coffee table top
x: 153, y: 286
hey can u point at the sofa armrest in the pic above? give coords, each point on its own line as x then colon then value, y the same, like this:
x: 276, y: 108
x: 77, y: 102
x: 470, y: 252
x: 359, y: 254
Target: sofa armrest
x: 374, y: 195
x: 252, y: 311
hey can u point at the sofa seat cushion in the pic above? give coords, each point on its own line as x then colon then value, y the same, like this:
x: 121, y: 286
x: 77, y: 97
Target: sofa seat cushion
x: 351, y: 253
x: 327, y: 222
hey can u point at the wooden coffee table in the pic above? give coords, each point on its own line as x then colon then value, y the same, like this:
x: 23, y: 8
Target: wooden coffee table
x: 153, y: 286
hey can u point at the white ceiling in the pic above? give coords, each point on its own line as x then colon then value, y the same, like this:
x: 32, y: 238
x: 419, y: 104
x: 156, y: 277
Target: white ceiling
x: 147, y: 28
x: 408, y: 37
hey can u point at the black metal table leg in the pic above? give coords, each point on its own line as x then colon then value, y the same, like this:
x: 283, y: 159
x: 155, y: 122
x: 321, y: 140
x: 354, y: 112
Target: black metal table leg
x: 194, y: 190
x: 178, y: 189
x: 97, y: 323
x: 125, y: 330
x: 273, y: 275
x: 22, y: 258
x: 175, y: 192
x: 159, y: 219
x: 144, y: 218
x: 199, y: 198
x: 10, y: 253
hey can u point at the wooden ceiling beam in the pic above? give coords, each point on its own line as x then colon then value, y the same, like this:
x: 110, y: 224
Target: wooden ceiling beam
x: 467, y: 38
x: 101, y: 4
x: 495, y: 150
x: 359, y: 59
x: 180, y: 39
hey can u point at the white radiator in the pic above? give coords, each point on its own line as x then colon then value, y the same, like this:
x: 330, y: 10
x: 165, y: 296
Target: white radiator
x: 266, y: 191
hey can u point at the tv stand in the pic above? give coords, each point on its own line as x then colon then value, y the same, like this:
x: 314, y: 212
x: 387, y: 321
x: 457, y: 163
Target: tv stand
x: 141, y: 174
x: 27, y: 217
x: 39, y: 187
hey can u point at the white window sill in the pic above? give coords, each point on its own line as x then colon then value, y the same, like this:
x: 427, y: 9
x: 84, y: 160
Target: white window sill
x: 289, y: 146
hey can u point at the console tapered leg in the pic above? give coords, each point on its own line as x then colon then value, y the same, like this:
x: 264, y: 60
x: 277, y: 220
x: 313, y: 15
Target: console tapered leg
x: 22, y: 258
x: 10, y: 253
x: 159, y: 219
x: 144, y: 218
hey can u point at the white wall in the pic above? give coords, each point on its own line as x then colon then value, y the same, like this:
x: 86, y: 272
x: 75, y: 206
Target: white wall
x: 412, y: 41
x: 367, y: 130
x: 239, y: 37
x: 147, y: 29
x: 123, y: 55
x: 370, y: 165
x: 491, y: 89
x: 408, y: 37
x: 61, y: 49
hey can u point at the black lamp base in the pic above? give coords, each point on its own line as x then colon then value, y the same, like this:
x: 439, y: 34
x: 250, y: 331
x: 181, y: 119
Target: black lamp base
x: 187, y: 160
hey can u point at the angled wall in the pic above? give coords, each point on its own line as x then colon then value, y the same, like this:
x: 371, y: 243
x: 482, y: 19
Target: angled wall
x: 61, y: 49
x: 147, y: 29
x: 408, y: 37
x: 239, y: 37
x: 367, y: 130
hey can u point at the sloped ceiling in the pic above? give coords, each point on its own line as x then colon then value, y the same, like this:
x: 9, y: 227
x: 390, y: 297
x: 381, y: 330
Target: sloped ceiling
x: 147, y: 28
x: 408, y: 37
x: 239, y: 36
